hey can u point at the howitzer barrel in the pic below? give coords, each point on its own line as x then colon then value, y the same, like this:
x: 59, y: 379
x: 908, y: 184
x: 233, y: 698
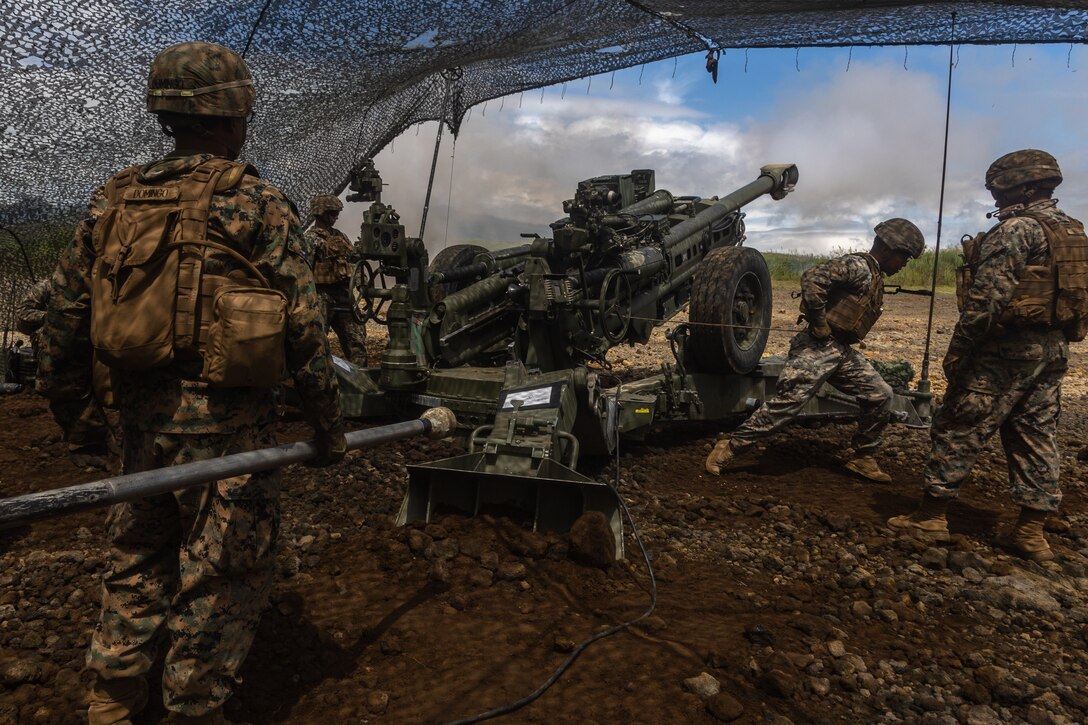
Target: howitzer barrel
x: 776, y: 180
x: 436, y: 422
x: 490, y: 262
x: 659, y: 202
x: 471, y: 297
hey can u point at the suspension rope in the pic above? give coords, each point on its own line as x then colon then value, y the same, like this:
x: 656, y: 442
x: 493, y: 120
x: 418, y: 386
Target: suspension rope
x: 257, y: 24
x: 674, y: 23
x: 449, y: 195
x: 451, y: 75
x: 722, y: 325
x: 940, y: 204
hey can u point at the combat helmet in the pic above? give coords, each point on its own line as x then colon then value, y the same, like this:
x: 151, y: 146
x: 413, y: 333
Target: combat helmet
x: 1023, y: 167
x: 901, y: 234
x: 323, y: 203
x: 200, y: 79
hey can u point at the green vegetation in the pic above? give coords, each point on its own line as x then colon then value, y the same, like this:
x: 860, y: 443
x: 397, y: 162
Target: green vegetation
x: 788, y: 267
x: 43, y: 243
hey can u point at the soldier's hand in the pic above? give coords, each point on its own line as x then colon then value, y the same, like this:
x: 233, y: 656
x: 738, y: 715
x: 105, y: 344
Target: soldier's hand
x: 817, y: 324
x: 818, y: 328
x: 332, y: 446
x: 952, y: 365
x: 819, y: 331
x: 955, y: 359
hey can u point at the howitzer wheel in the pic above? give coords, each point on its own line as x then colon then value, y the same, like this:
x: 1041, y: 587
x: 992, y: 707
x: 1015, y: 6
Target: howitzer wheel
x: 364, y: 304
x: 449, y: 259
x: 731, y: 311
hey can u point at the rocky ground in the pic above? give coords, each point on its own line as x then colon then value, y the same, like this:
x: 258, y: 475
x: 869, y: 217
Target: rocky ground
x: 781, y: 598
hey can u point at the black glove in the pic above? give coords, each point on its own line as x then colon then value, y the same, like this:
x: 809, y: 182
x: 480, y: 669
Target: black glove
x: 332, y: 446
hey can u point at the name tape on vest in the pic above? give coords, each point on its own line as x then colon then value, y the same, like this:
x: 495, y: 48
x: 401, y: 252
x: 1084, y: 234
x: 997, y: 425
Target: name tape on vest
x: 152, y: 193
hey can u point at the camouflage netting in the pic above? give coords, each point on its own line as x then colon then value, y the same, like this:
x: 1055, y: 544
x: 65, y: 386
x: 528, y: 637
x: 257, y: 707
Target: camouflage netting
x: 338, y: 79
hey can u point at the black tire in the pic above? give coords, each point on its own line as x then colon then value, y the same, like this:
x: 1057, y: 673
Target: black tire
x: 450, y: 258
x: 731, y: 287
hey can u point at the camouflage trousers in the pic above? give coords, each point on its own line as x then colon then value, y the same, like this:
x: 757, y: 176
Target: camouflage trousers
x: 1014, y: 389
x: 335, y: 303
x: 810, y: 364
x: 193, y: 567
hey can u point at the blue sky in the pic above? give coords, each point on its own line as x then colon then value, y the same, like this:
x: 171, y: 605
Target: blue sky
x: 867, y: 141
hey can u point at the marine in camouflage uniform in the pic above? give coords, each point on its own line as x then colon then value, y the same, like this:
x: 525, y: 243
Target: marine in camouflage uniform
x: 330, y: 253
x: 1004, y: 374
x: 196, y: 563
x: 30, y: 312
x: 100, y: 448
x: 824, y: 354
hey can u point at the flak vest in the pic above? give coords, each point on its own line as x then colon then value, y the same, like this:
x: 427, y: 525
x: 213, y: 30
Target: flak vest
x: 333, y: 266
x: 1052, y: 292
x: 153, y: 304
x: 851, y: 315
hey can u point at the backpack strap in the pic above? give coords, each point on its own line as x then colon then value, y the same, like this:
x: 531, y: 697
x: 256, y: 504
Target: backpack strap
x: 214, y: 175
x: 235, y: 254
x: 115, y: 191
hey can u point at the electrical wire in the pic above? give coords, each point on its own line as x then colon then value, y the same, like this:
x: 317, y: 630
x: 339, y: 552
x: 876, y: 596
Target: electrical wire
x: 518, y: 704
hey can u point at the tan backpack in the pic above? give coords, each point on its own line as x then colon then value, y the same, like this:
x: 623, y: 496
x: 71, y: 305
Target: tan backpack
x: 151, y: 301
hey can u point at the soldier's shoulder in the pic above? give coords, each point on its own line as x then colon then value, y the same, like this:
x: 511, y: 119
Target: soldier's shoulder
x: 1019, y: 226
x: 261, y: 193
x: 854, y: 263
x: 1064, y: 216
x: 254, y: 186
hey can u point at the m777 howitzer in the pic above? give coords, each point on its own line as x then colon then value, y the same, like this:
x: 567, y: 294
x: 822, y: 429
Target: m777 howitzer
x: 514, y: 340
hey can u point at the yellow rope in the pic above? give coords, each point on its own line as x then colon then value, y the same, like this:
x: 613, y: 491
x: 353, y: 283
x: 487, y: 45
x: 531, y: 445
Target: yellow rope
x: 714, y: 324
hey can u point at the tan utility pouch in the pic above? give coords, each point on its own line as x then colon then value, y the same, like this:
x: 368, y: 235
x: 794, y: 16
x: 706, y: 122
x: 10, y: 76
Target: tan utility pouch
x: 332, y: 271
x: 1069, y: 250
x: 965, y: 273
x: 850, y: 317
x: 246, y: 339
x: 1033, y: 302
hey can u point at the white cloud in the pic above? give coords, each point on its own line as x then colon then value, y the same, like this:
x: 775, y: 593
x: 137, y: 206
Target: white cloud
x: 868, y: 144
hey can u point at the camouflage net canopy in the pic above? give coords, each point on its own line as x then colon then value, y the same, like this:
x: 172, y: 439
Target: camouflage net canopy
x: 337, y: 80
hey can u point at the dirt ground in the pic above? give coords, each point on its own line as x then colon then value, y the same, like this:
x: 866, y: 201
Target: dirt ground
x: 778, y: 581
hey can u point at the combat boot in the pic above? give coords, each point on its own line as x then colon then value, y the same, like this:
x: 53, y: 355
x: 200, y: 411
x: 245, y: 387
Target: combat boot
x: 724, y: 452
x: 928, y: 522
x: 867, y: 467
x: 116, y: 701
x: 1026, y: 538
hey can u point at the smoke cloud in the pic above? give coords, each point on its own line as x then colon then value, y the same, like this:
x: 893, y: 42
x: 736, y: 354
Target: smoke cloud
x: 868, y: 144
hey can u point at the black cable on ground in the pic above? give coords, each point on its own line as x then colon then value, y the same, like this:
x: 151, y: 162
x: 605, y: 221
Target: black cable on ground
x: 518, y: 704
